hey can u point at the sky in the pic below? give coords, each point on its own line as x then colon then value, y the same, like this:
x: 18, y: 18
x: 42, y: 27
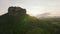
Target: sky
x: 33, y: 6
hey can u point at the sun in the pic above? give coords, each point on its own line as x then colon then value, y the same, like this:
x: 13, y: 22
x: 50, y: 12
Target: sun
x: 33, y: 13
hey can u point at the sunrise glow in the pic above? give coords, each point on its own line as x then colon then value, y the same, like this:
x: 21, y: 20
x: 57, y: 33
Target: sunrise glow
x: 33, y: 13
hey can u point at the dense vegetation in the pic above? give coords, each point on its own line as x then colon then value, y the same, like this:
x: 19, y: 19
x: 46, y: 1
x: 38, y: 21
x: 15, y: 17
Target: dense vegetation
x: 30, y: 25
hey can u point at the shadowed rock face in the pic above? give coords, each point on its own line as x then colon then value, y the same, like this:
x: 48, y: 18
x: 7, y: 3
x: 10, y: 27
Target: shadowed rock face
x: 16, y: 11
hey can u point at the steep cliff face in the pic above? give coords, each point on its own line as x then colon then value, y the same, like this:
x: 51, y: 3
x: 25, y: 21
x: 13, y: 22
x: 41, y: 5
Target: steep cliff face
x: 16, y: 11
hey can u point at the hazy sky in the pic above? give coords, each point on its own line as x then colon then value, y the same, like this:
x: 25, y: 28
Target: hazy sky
x: 41, y: 6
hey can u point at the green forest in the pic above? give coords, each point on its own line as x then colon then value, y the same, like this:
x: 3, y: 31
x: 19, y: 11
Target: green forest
x: 18, y: 22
